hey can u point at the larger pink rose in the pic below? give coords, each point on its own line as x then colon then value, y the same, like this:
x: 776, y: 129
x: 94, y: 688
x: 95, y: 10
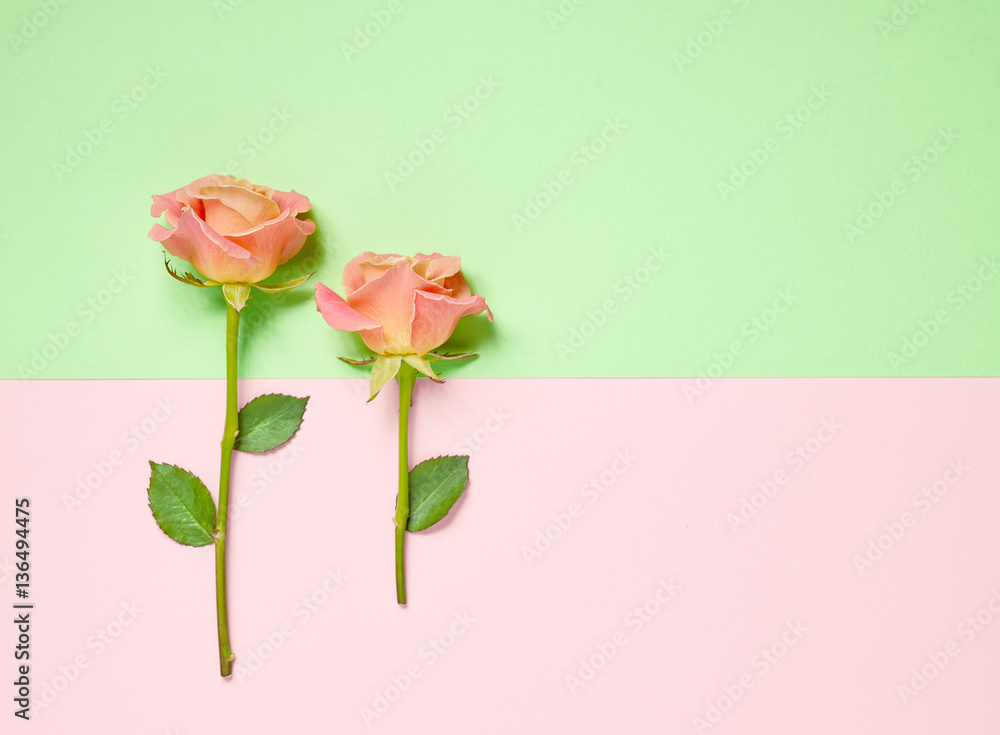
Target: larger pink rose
x: 401, y: 305
x: 231, y: 230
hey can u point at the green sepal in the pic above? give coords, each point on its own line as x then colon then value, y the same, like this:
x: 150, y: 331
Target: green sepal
x: 236, y: 294
x: 187, y: 277
x: 286, y: 286
x: 268, y: 421
x: 181, y: 504
x: 358, y: 363
x: 463, y: 356
x: 422, y: 365
x: 384, y: 370
x: 435, y: 485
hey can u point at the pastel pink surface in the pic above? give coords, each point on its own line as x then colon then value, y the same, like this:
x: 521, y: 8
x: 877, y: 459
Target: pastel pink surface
x: 637, y: 489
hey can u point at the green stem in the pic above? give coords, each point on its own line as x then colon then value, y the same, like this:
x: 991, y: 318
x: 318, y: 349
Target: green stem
x: 406, y: 377
x: 228, y: 439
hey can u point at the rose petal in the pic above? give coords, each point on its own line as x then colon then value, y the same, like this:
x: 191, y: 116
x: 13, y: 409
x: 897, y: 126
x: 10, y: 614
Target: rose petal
x: 388, y: 300
x: 291, y: 200
x: 374, y: 339
x: 272, y: 242
x: 353, y: 280
x: 306, y: 227
x: 457, y: 286
x: 338, y: 314
x: 436, y: 267
x: 213, y: 255
x: 233, y: 209
x: 436, y: 316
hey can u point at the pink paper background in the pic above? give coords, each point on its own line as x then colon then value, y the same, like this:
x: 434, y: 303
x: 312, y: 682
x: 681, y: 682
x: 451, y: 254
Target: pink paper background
x: 323, y: 506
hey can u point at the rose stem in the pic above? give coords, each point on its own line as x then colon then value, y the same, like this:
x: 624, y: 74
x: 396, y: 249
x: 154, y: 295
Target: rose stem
x: 228, y: 439
x: 406, y: 378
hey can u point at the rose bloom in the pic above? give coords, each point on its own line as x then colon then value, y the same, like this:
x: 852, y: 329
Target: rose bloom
x: 401, y: 305
x: 231, y: 230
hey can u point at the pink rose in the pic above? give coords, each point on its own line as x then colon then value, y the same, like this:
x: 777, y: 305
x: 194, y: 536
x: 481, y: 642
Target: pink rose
x: 403, y: 307
x: 231, y: 230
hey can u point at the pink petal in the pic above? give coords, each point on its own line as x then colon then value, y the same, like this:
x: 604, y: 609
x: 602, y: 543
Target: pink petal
x: 388, y: 300
x: 371, y: 270
x: 232, y: 209
x: 337, y: 312
x: 436, y: 267
x: 165, y: 203
x: 353, y: 280
x: 375, y: 339
x: 436, y: 316
x: 306, y: 227
x: 291, y: 200
x: 213, y: 255
x: 273, y: 241
x: 458, y: 286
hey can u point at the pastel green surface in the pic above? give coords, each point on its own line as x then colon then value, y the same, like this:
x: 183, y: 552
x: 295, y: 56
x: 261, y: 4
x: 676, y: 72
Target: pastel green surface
x: 593, y: 189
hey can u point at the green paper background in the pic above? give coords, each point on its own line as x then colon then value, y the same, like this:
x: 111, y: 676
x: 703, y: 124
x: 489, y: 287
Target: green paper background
x: 300, y: 95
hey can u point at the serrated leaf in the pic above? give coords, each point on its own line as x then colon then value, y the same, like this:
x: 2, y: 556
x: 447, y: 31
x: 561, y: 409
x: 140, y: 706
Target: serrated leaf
x: 435, y: 485
x: 269, y: 421
x: 181, y: 505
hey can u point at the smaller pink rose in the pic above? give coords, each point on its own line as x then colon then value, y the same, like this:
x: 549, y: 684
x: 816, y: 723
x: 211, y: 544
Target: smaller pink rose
x: 231, y: 230
x: 401, y: 305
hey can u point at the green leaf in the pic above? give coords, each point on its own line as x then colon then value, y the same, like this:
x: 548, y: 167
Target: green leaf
x: 269, y: 421
x: 435, y: 485
x: 181, y: 505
